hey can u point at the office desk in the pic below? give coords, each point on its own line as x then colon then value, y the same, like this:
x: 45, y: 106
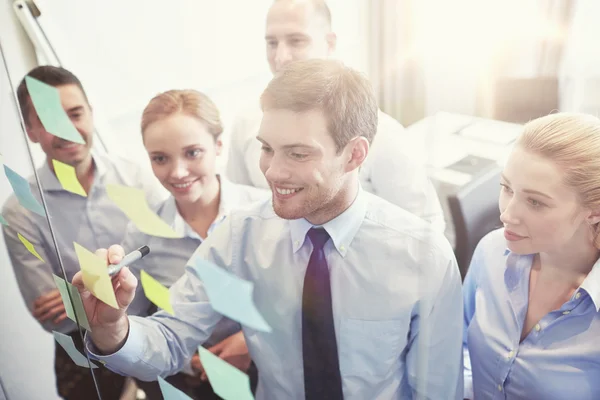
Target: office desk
x: 456, y: 147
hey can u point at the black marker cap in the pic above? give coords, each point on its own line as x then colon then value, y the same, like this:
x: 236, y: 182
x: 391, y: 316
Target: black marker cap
x: 144, y: 250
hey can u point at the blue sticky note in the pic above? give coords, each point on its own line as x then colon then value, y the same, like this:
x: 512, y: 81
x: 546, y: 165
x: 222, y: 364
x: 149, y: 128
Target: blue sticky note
x: 47, y: 104
x: 23, y: 191
x: 230, y: 295
x: 170, y: 392
x: 66, y: 342
x: 226, y: 380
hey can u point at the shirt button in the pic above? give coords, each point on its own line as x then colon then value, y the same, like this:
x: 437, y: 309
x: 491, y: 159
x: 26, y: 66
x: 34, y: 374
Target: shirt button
x: 510, y: 354
x: 578, y: 295
x: 342, y: 248
x: 566, y: 312
x: 296, y: 243
x: 538, y: 327
x: 499, y: 388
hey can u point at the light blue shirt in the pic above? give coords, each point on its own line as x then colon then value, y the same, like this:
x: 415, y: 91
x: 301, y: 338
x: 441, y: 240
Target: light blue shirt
x: 559, y: 359
x: 93, y: 222
x: 168, y: 257
x: 396, y: 301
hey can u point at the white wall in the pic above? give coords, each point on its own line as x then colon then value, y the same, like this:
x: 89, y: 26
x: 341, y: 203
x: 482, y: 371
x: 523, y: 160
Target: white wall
x: 26, y: 351
x: 126, y: 52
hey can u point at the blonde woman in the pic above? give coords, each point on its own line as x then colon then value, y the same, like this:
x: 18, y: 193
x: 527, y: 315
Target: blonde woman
x: 181, y: 132
x: 532, y: 293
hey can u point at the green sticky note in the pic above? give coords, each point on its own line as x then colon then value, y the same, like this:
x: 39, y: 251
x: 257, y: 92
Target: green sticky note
x: 47, y: 104
x: 22, y: 190
x: 156, y: 292
x: 170, y: 392
x: 68, y: 178
x: 132, y: 202
x: 226, y: 380
x: 66, y: 342
x: 72, y: 309
x: 3, y: 221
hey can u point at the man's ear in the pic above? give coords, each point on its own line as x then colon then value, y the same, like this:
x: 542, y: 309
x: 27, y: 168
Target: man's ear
x: 357, y: 150
x: 331, y: 42
x: 594, y: 217
x: 218, y: 145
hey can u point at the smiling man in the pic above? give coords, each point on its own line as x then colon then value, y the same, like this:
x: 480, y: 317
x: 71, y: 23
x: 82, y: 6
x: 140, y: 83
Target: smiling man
x: 92, y: 221
x: 301, y: 30
x: 363, y: 298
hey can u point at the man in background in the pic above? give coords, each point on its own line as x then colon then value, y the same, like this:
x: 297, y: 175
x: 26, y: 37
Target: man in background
x: 301, y: 30
x: 93, y: 221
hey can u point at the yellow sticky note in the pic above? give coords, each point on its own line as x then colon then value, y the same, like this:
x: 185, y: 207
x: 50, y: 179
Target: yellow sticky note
x: 132, y: 202
x: 30, y: 247
x: 156, y: 292
x: 95, y: 275
x: 67, y: 178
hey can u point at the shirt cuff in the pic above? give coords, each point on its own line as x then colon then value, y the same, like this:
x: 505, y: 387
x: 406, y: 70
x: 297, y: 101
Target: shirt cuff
x: 128, y: 355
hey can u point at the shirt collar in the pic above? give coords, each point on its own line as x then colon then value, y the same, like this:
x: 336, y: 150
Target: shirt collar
x: 51, y: 183
x: 591, y: 283
x: 341, y: 229
x: 171, y: 215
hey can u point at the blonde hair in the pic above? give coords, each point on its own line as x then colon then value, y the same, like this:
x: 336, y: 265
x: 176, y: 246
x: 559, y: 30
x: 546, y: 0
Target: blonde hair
x: 344, y: 95
x: 189, y: 102
x: 572, y: 141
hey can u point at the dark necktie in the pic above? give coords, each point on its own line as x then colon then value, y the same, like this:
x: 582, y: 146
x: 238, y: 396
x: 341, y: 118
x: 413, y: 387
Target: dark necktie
x: 322, y: 379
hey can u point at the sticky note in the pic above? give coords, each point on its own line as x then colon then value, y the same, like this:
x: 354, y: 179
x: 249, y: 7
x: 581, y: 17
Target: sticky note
x: 170, y: 392
x: 230, y: 295
x: 95, y: 275
x: 75, y: 308
x: 132, y: 202
x: 47, y: 104
x: 156, y: 292
x: 226, y: 380
x: 30, y: 247
x: 23, y: 191
x: 67, y: 178
x: 66, y: 343
x: 3, y: 221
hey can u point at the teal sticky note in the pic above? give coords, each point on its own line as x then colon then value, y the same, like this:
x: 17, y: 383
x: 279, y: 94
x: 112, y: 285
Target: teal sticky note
x: 3, y: 221
x: 170, y: 392
x: 226, y: 380
x: 47, y: 104
x: 23, y: 192
x: 230, y: 295
x: 66, y: 342
x: 75, y: 308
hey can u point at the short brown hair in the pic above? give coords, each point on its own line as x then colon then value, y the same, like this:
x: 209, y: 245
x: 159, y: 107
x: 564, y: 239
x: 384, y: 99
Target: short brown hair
x: 50, y: 75
x: 189, y: 102
x: 344, y: 95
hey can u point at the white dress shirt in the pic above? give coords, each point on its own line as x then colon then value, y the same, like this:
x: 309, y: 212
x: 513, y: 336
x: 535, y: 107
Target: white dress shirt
x: 391, y: 170
x: 396, y: 301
